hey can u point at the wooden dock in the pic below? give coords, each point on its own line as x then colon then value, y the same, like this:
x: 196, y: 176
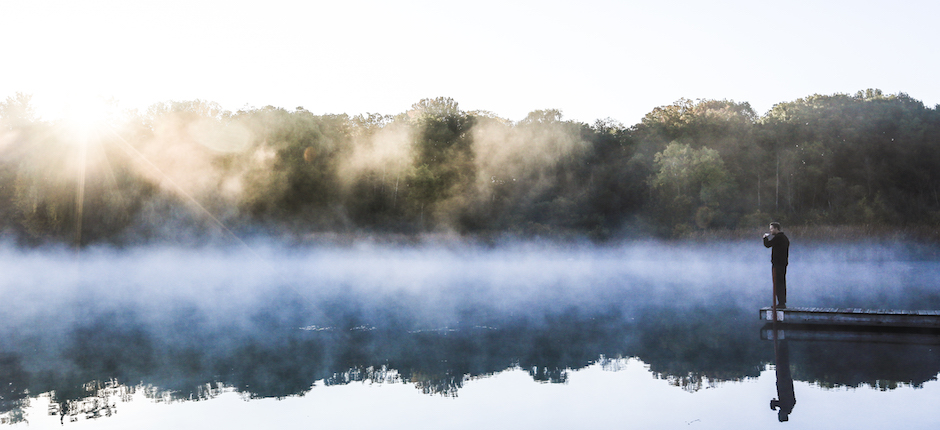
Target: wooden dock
x: 854, y: 317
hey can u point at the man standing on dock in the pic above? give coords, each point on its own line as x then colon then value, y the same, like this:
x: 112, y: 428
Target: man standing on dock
x: 779, y: 255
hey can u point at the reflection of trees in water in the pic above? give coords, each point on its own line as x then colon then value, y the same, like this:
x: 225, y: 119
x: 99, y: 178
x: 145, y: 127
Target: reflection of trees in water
x: 206, y: 391
x: 445, y: 385
x: 279, y: 357
x: 14, y: 381
x: 696, y: 347
x: 882, y: 366
x: 382, y: 375
x: 691, y: 382
x: 278, y: 353
x: 99, y: 399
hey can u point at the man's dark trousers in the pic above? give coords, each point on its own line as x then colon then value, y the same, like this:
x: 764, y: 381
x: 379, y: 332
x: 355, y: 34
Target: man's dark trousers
x: 780, y: 284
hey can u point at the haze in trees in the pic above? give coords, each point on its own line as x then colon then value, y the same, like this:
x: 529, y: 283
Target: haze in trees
x: 190, y: 171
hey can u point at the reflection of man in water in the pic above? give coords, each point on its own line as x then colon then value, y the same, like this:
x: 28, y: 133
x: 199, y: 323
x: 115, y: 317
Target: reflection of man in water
x: 787, y: 399
x: 779, y: 255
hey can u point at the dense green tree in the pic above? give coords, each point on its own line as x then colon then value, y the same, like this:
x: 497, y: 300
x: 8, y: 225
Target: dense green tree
x: 443, y: 163
x: 690, y: 186
x: 855, y: 159
x: 18, y: 123
x: 616, y: 188
x: 291, y: 167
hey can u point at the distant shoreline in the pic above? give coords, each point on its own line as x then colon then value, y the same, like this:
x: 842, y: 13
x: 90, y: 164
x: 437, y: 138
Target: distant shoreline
x: 928, y: 234
x: 922, y: 234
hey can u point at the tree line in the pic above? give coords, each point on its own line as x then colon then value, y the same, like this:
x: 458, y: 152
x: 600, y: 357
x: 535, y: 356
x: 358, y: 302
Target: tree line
x: 184, y: 171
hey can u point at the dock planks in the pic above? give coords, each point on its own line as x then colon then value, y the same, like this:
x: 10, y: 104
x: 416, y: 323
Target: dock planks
x: 855, y: 317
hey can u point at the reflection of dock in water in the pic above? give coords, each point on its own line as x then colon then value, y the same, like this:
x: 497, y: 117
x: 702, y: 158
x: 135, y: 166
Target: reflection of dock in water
x: 833, y: 333
x: 854, y: 317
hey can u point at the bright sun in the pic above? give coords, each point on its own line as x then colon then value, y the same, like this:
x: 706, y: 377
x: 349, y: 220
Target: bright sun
x: 81, y: 115
x: 89, y: 115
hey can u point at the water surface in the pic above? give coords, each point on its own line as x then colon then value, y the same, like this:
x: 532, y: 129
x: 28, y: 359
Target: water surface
x: 644, y: 335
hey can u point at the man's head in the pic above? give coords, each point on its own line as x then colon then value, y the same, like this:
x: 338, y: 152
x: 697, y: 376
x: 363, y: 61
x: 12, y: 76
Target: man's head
x: 775, y: 227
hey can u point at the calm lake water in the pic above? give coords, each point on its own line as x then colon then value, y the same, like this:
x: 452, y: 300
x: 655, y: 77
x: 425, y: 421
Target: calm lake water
x: 640, y: 335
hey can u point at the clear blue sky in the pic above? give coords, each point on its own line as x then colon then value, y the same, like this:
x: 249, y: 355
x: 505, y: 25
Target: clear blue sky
x: 591, y: 59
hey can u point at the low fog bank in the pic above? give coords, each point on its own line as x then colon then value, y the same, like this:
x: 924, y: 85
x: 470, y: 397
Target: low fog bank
x: 439, y: 285
x: 273, y: 320
x: 433, y: 281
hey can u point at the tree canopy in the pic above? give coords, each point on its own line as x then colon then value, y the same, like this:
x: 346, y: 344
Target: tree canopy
x: 189, y: 170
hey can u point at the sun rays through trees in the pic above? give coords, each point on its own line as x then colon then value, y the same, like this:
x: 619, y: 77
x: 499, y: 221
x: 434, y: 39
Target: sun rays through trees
x: 190, y: 170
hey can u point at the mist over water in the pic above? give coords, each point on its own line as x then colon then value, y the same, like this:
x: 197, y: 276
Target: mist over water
x: 270, y: 320
x: 435, y: 284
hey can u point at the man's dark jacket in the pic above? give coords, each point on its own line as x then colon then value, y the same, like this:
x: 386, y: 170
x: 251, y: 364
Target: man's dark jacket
x: 779, y: 249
